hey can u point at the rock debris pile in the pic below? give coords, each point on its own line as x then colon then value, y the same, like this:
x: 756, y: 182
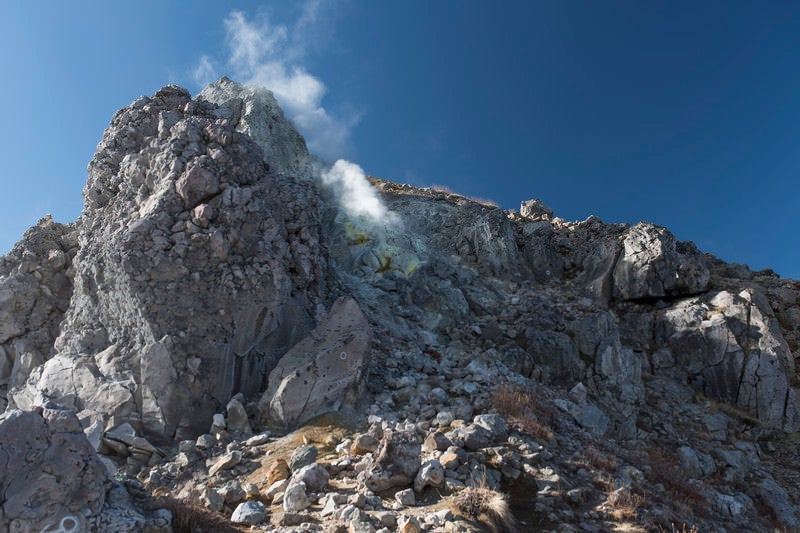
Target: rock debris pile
x: 214, y: 345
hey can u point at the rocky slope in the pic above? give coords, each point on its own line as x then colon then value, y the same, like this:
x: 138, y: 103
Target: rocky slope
x: 214, y: 299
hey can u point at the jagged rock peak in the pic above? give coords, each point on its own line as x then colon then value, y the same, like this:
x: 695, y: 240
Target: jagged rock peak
x: 199, y: 264
x: 254, y: 111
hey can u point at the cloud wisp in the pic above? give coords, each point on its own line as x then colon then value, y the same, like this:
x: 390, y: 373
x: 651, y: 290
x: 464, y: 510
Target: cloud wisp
x: 261, y: 53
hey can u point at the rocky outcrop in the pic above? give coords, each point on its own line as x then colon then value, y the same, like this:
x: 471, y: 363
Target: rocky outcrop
x: 50, y: 474
x: 35, y: 289
x: 730, y: 347
x: 211, y: 284
x: 654, y: 265
x: 253, y: 111
x: 52, y: 480
x: 197, y: 268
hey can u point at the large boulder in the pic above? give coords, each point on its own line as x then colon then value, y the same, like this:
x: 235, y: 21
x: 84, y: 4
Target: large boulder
x: 731, y: 348
x: 316, y: 374
x: 198, y: 267
x: 654, y: 265
x: 49, y: 473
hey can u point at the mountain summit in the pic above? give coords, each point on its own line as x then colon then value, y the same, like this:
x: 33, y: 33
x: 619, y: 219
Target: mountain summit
x: 598, y: 373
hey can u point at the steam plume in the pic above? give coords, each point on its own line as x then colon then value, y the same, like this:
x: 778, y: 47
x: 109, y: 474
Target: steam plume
x: 260, y: 53
x: 356, y: 195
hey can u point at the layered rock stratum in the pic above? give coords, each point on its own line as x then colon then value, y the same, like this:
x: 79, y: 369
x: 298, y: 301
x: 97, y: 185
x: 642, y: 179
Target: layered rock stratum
x: 217, y: 296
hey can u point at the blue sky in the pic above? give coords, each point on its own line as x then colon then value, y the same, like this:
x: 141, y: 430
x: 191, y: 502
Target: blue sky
x: 686, y: 114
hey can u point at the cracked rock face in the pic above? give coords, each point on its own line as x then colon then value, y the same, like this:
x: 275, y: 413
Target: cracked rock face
x: 49, y: 473
x: 35, y: 289
x: 653, y: 265
x: 198, y: 267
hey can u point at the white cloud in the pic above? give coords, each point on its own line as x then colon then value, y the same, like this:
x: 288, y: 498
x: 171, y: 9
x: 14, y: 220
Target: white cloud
x: 356, y: 195
x: 262, y: 53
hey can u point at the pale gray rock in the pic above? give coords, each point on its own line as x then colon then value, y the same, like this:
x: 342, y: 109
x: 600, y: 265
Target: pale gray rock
x: 733, y: 350
x: 535, y: 209
x: 187, y: 315
x: 654, y: 265
x: 237, y: 420
x: 315, y: 376
x: 49, y: 473
x: 253, y: 111
x: 397, y: 461
x: 229, y: 460
x: 314, y: 476
x: 405, y: 497
x: 431, y: 474
x: 35, y: 289
x: 495, y: 424
x: 295, y: 498
x: 249, y: 513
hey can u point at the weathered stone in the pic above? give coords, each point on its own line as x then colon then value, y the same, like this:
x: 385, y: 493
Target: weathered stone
x: 237, y: 420
x: 295, y: 498
x: 654, y: 265
x: 494, y: 424
x: 229, y: 460
x: 254, y: 111
x: 49, y: 473
x: 397, y: 461
x: 431, y: 474
x: 314, y: 476
x: 314, y: 376
x: 249, y: 513
x: 405, y: 497
x: 303, y: 456
x: 183, y: 314
x: 364, y: 443
x: 535, y: 210
x: 436, y: 441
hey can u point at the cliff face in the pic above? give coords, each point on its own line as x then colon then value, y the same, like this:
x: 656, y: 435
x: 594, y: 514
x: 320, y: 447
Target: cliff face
x: 212, y: 270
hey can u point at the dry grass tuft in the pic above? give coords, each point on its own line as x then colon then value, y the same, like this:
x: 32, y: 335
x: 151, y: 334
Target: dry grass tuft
x: 623, y: 504
x: 599, y: 459
x: 191, y: 518
x: 487, y: 506
x: 525, y: 409
x: 665, y: 470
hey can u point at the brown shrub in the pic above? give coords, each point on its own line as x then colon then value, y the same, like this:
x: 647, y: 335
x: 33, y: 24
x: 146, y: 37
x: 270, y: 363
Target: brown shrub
x: 525, y: 409
x: 485, y: 505
x: 191, y: 518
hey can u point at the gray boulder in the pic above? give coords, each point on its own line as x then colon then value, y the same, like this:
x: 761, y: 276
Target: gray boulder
x: 249, y: 513
x: 654, y: 265
x: 49, y: 473
x: 315, y: 375
x: 396, y: 463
